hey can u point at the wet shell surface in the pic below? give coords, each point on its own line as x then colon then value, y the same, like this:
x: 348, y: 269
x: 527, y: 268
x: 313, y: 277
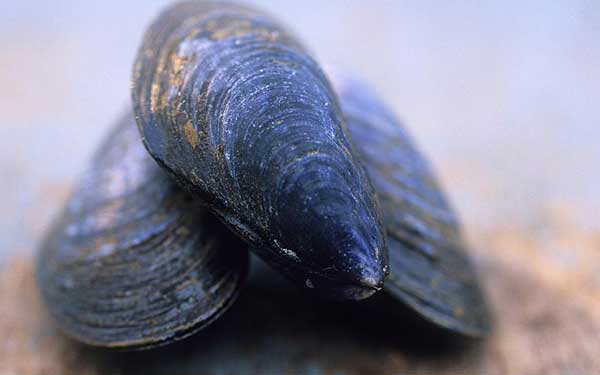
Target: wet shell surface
x: 241, y: 116
x: 429, y: 269
x: 132, y: 263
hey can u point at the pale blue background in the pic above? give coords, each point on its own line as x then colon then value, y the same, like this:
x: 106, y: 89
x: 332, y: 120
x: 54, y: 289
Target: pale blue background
x: 503, y: 96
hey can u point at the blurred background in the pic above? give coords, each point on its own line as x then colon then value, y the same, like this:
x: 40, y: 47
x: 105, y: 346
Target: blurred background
x: 502, y: 96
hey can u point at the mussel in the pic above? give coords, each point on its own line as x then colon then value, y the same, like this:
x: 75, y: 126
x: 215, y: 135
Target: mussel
x: 134, y: 262
x: 429, y: 269
x: 248, y: 146
x: 241, y: 116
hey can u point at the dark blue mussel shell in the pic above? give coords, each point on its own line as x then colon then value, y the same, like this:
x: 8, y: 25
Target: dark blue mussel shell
x: 132, y: 262
x: 429, y: 270
x: 241, y: 116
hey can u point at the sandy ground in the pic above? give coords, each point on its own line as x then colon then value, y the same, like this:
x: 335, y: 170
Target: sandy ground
x: 546, y: 310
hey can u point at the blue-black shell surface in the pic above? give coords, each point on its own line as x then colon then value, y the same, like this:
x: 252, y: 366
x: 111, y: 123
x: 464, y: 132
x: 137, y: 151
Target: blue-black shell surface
x: 239, y: 114
x: 429, y: 268
x: 132, y: 262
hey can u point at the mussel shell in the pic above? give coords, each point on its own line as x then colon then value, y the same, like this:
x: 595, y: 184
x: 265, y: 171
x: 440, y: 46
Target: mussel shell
x: 429, y: 269
x: 239, y: 114
x: 132, y: 263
